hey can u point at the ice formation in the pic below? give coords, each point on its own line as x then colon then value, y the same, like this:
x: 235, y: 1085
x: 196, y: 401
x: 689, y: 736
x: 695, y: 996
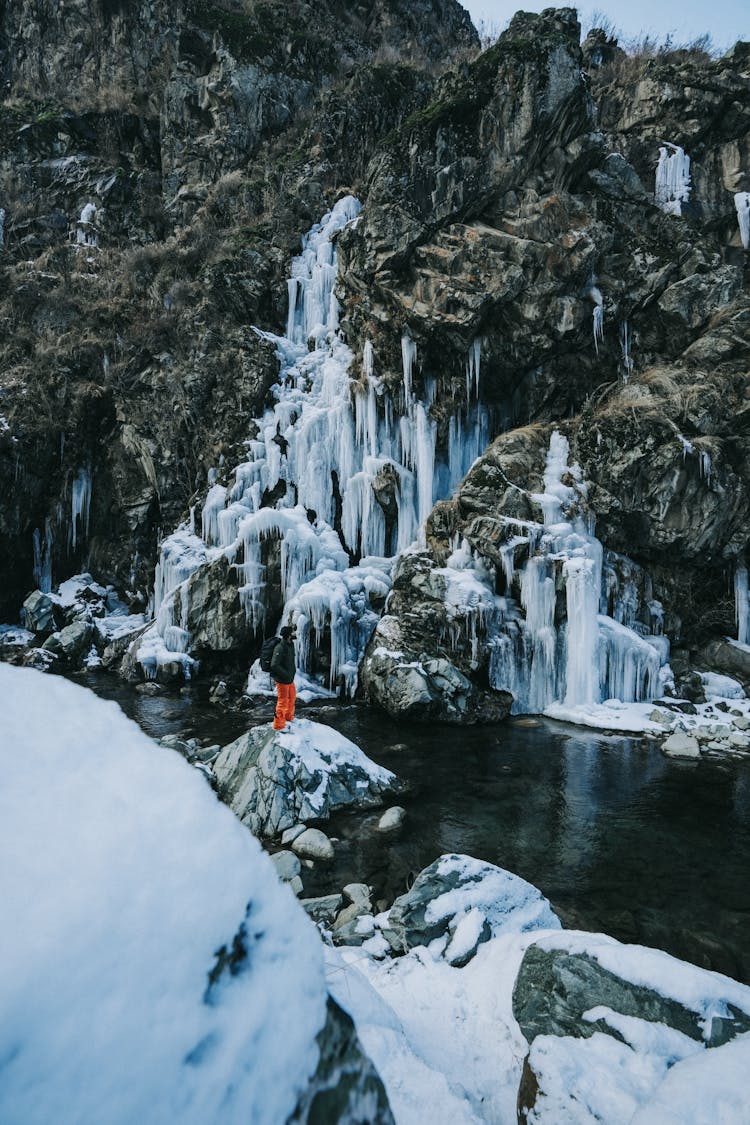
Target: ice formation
x: 80, y: 503
x: 742, y: 203
x: 2, y: 227
x: 742, y: 604
x: 672, y: 179
x: 576, y: 625
x: 86, y: 229
x: 338, y: 477
x: 42, y: 568
x: 625, y: 348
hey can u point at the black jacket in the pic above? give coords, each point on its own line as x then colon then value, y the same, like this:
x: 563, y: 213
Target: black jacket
x: 282, y: 663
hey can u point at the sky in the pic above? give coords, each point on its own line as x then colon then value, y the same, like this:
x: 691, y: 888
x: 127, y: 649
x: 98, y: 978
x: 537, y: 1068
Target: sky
x: 725, y: 20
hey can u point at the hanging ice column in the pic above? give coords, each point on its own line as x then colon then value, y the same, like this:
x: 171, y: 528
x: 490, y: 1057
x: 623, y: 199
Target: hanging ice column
x: 742, y: 204
x: 742, y: 604
x: 672, y: 187
x: 566, y: 652
x: 80, y: 502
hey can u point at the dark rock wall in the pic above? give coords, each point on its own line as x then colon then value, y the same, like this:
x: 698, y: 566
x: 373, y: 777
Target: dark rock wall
x: 209, y: 136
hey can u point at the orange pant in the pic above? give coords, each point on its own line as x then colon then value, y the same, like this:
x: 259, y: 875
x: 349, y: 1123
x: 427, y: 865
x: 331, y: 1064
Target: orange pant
x: 287, y: 694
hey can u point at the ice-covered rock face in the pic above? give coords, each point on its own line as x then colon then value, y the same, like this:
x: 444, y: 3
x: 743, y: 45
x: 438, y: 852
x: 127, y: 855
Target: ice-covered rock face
x: 150, y: 937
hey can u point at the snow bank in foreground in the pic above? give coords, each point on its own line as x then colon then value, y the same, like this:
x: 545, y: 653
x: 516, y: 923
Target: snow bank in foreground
x: 448, y: 1048
x: 122, y: 878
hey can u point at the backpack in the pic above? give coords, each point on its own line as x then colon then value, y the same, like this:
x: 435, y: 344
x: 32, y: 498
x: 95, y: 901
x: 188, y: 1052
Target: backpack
x: 267, y: 651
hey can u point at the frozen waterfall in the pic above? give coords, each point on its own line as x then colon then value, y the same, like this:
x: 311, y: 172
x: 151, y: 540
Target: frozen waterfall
x: 672, y: 179
x: 339, y: 476
x: 577, y: 625
x: 742, y: 604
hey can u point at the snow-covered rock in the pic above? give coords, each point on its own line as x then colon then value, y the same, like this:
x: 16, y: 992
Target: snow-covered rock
x: 150, y: 937
x: 606, y: 1022
x: 681, y: 745
x: 273, y: 779
x: 392, y: 819
x: 313, y: 844
x: 459, y: 902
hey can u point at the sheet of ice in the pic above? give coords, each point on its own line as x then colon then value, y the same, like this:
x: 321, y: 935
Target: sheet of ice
x: 576, y: 657
x: 125, y: 877
x: 741, y: 604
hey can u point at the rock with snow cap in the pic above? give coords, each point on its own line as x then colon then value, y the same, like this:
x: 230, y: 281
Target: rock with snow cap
x: 681, y: 745
x: 614, y: 1019
x: 464, y: 902
x: 274, y: 779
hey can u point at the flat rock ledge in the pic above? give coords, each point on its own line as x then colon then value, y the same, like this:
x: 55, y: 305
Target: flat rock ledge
x: 273, y: 780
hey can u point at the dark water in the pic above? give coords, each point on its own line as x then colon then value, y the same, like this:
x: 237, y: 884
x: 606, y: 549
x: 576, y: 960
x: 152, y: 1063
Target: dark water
x: 619, y: 838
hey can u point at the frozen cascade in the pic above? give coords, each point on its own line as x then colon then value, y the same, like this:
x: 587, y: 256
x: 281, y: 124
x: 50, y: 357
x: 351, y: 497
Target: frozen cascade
x: 80, y: 501
x: 549, y: 650
x: 742, y: 203
x: 317, y: 452
x: 742, y: 604
x: 672, y: 179
x: 2, y: 227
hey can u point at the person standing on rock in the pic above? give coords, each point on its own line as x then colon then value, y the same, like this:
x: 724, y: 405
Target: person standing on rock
x: 283, y: 667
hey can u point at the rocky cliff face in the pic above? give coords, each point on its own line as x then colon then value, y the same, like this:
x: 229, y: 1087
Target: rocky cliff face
x: 158, y: 163
x: 530, y: 212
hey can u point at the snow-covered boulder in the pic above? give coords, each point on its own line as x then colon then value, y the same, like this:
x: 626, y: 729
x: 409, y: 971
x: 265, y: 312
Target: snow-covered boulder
x: 273, y: 779
x: 153, y: 968
x: 458, y: 902
x: 606, y: 1022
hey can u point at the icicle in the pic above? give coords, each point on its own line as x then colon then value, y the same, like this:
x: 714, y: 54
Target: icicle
x: 625, y: 343
x: 212, y: 508
x: 742, y: 203
x: 42, y: 568
x: 2, y: 228
x: 672, y: 179
x: 408, y: 359
x: 80, y: 505
x: 368, y: 362
x: 741, y: 604
x: 473, y: 363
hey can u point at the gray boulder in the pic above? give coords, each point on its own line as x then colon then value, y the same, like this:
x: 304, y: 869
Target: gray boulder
x: 72, y: 642
x: 346, y: 1088
x: 39, y: 613
x: 274, y: 779
x: 313, y: 844
x: 681, y: 745
x: 287, y: 865
x: 323, y: 909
